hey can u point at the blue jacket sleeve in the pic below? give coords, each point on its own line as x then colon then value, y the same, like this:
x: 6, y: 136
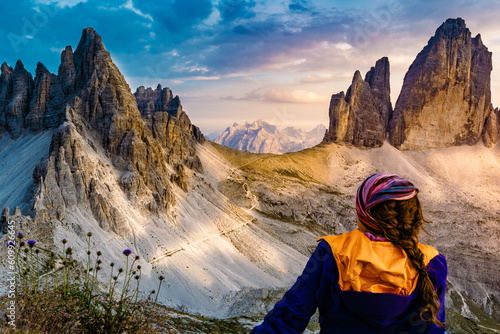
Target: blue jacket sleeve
x: 292, y: 313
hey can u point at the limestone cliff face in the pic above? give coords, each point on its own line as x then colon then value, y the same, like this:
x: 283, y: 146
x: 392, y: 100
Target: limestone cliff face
x: 360, y: 117
x: 101, y: 137
x: 16, y: 90
x: 445, y: 98
x: 170, y: 125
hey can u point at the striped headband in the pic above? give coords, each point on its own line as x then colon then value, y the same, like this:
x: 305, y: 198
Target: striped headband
x: 378, y: 188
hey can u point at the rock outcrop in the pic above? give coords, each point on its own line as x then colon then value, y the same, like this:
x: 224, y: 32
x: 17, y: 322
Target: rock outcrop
x: 445, y: 99
x: 360, y: 117
x: 15, y: 96
x: 170, y: 125
x: 46, y: 104
x: 491, y: 128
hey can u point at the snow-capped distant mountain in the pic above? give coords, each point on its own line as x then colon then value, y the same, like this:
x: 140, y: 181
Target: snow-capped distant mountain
x: 262, y: 137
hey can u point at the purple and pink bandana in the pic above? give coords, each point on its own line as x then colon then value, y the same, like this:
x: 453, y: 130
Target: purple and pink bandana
x: 378, y: 188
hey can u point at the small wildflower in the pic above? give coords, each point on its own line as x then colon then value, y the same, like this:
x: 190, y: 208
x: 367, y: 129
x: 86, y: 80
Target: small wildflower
x: 137, y: 257
x: 20, y: 235
x: 37, y: 251
x: 52, y: 254
x: 136, y: 276
x: 133, y: 273
x: 139, y: 267
x: 127, y: 252
x: 31, y: 243
x: 69, y: 250
x: 153, y: 292
x: 23, y: 243
x: 99, y: 261
x: 89, y: 234
x: 26, y: 250
x: 115, y: 277
x: 99, y: 253
x: 161, y: 278
x: 112, y: 264
x: 25, y: 258
x: 64, y: 241
x: 120, y: 270
x: 98, y: 268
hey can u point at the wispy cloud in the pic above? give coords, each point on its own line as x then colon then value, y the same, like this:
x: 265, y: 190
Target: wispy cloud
x: 286, y: 96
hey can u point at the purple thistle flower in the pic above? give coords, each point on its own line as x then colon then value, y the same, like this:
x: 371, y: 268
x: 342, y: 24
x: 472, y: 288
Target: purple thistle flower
x: 31, y: 243
x: 127, y: 252
x: 120, y: 270
x: 161, y: 278
x: 89, y: 234
x: 136, y: 277
x: 112, y: 264
x: 20, y: 235
x: 69, y: 250
x: 139, y: 267
x: 98, y: 268
x: 99, y: 261
x: 99, y: 253
x: 23, y: 243
x: 64, y: 241
x: 137, y: 257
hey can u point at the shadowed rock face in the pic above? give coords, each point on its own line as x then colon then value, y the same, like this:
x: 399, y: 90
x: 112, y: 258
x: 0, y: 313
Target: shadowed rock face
x: 360, y: 117
x: 445, y: 98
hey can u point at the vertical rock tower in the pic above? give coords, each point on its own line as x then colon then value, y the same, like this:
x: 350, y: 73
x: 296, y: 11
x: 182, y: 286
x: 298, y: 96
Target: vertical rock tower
x: 445, y: 99
x: 360, y: 117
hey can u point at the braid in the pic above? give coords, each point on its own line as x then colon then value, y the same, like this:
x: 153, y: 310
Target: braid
x: 401, y: 222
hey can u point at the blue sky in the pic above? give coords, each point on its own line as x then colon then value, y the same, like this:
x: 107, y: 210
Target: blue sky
x: 238, y: 60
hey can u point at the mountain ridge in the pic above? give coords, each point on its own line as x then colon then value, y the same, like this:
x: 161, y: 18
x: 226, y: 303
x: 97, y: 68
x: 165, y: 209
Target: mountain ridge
x: 262, y: 137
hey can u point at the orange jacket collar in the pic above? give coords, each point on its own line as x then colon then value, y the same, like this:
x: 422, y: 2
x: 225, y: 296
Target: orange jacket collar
x: 374, y: 266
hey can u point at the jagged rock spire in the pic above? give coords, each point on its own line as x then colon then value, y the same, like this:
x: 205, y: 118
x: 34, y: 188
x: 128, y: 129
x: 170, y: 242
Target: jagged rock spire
x: 360, y: 116
x: 445, y: 98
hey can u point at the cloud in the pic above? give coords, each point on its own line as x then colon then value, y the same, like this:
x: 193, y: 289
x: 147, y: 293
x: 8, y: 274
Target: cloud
x: 177, y: 16
x: 130, y: 6
x: 284, y: 95
x: 298, y: 6
x: 231, y: 10
x: 317, y: 78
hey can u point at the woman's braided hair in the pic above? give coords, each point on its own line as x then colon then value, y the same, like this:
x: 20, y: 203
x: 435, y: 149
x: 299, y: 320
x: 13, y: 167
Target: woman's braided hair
x: 401, y: 221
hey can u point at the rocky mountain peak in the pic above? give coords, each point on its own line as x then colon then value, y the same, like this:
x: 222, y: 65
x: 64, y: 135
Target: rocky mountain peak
x: 357, y: 77
x: 261, y: 137
x: 90, y: 109
x: 90, y: 55
x: 445, y: 99
x: 6, y: 68
x: 360, y: 117
x: 67, y: 71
